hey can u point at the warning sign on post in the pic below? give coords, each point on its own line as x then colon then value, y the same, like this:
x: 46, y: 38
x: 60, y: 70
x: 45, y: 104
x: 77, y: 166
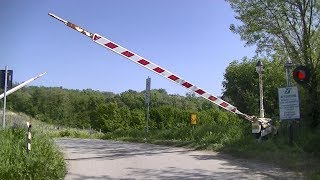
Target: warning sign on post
x: 193, y: 119
x: 289, y: 103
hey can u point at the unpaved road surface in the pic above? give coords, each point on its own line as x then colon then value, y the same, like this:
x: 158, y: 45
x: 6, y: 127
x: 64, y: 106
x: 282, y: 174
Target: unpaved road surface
x: 102, y: 159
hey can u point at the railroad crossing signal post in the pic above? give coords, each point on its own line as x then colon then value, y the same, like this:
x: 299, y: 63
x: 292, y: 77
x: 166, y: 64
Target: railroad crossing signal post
x: 288, y: 66
x: 289, y: 102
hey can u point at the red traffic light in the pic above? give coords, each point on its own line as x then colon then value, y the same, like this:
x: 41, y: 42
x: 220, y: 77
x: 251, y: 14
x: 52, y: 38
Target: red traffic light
x: 301, y: 74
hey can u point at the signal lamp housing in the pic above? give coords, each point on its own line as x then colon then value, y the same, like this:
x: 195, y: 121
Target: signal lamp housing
x: 301, y: 74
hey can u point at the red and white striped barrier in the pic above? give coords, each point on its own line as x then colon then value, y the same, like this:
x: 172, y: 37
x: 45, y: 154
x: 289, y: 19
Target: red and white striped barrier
x: 153, y: 67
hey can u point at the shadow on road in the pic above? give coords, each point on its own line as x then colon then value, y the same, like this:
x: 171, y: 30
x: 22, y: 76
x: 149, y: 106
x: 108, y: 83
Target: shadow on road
x: 213, y: 165
x: 112, y: 149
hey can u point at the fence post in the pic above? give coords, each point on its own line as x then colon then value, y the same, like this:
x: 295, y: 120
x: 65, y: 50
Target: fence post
x: 29, y: 137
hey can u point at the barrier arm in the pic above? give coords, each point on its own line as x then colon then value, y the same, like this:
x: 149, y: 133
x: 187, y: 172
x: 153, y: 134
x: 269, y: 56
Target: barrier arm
x: 21, y: 85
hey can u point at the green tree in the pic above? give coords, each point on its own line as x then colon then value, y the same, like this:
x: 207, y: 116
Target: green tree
x: 241, y: 85
x: 108, y: 117
x: 132, y: 99
x: 159, y: 97
x: 138, y: 119
x: 289, y: 28
x: 20, y: 101
x: 80, y: 110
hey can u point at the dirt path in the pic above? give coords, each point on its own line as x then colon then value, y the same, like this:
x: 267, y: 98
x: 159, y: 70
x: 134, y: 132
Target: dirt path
x: 102, y: 159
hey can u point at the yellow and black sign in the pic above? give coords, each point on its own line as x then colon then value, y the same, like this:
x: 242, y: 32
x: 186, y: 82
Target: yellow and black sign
x: 193, y: 119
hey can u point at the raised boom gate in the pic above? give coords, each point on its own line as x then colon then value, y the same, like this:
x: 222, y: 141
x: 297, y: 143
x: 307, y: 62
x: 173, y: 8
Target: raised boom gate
x: 263, y: 123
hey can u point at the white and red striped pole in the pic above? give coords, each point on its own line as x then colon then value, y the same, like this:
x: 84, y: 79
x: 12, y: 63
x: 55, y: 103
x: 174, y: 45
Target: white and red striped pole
x: 153, y: 67
x: 29, y: 137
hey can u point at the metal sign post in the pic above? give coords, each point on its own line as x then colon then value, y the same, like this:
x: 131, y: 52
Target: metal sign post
x: 4, y: 99
x: 148, y: 85
x: 289, y: 102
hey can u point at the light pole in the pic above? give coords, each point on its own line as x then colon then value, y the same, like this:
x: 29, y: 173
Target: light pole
x: 259, y: 70
x: 262, y: 126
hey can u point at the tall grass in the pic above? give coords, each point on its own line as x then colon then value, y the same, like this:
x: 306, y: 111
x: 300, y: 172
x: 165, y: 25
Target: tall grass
x: 206, y: 136
x: 75, y: 133
x: 53, y: 131
x: 44, y: 161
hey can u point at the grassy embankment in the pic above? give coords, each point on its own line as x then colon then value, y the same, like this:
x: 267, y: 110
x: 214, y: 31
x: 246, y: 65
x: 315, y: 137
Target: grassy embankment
x: 44, y: 161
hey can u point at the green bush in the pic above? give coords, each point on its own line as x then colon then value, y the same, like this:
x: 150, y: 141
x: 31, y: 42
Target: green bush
x: 64, y: 133
x: 310, y: 142
x: 74, y: 133
x: 44, y: 161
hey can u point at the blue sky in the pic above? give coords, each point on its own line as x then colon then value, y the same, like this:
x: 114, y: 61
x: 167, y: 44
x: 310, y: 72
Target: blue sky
x: 189, y: 38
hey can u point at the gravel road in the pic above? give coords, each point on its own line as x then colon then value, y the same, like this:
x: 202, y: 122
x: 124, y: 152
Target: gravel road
x: 103, y: 159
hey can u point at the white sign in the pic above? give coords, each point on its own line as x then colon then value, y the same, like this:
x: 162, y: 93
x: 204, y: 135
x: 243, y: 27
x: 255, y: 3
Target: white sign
x: 148, y: 84
x: 289, y: 103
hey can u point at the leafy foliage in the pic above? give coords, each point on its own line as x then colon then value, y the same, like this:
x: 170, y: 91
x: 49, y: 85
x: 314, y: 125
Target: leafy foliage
x: 287, y: 29
x: 110, y: 112
x: 43, y: 162
x: 241, y: 85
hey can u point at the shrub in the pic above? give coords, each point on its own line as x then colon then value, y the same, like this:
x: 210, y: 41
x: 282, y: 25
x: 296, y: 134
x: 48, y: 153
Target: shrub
x: 43, y: 162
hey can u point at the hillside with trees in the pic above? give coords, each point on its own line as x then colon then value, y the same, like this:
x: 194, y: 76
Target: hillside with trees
x: 107, y: 111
